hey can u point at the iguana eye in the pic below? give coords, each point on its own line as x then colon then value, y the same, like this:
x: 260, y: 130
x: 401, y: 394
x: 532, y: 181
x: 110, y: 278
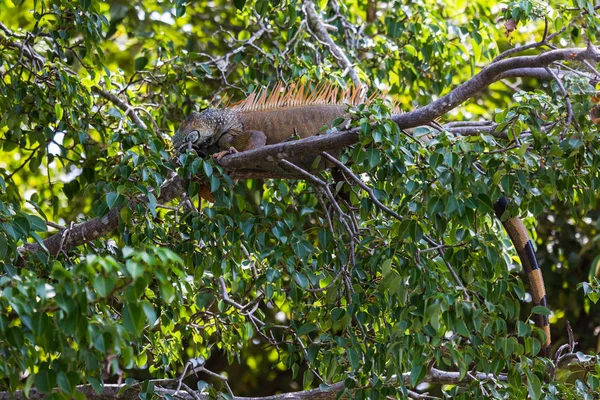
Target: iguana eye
x: 192, y: 137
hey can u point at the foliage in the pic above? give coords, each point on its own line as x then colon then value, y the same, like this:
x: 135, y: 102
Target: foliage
x: 269, y: 283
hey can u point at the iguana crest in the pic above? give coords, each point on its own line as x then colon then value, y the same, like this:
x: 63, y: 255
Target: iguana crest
x: 298, y: 95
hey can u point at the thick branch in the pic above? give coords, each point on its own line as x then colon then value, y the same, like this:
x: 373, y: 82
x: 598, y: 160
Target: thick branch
x: 484, y: 78
x: 266, y: 158
x: 93, y: 229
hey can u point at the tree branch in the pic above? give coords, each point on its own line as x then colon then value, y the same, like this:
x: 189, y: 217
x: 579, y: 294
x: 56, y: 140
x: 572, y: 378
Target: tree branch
x: 484, y: 78
x: 264, y: 161
x: 433, y: 376
x: 129, y: 111
x: 111, y: 391
x: 266, y: 158
x: 93, y: 229
x: 318, y: 29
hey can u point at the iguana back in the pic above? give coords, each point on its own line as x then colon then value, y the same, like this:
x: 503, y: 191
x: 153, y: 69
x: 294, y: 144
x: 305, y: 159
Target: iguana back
x: 281, y: 124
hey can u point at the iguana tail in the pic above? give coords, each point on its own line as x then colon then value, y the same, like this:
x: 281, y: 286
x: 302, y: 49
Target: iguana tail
x: 524, y: 246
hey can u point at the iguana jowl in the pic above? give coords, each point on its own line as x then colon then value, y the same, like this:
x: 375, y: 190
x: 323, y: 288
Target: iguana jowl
x: 268, y: 119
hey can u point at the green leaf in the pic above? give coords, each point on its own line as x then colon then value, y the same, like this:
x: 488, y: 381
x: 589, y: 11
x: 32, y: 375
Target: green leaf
x: 37, y: 224
x: 353, y: 357
x: 99, y: 343
x: 485, y: 204
x: 540, y: 310
x: 417, y: 373
x: 45, y: 380
x: 96, y: 384
x: 103, y: 285
x: 167, y: 291
x: 150, y: 312
x: 22, y: 223
x: 301, y: 280
x: 373, y: 158
x: 534, y: 386
x: 434, y: 206
x: 63, y: 383
x: 135, y: 269
x: 462, y: 328
x: 307, y: 328
x: 262, y: 6
x: 58, y: 111
x: 28, y: 384
x: 325, y: 237
x: 113, y: 199
x: 523, y: 329
x: 208, y: 169
x: 337, y: 313
x: 307, y: 379
x: 140, y: 63
x: 133, y: 318
x: 215, y: 183
x: 180, y: 11
x: 152, y: 204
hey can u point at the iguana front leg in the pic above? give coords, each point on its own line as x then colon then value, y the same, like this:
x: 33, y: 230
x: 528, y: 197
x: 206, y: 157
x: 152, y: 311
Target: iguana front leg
x: 236, y: 142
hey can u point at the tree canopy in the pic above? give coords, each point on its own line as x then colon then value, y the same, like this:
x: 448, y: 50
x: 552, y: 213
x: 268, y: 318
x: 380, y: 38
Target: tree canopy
x: 118, y: 279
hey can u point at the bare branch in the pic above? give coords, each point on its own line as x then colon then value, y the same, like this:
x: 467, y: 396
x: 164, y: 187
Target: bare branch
x: 318, y: 28
x: 545, y: 38
x: 129, y: 111
x: 435, y: 376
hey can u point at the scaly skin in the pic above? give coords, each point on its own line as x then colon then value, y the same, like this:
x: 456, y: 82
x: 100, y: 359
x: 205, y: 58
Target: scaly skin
x: 279, y: 125
x: 221, y: 129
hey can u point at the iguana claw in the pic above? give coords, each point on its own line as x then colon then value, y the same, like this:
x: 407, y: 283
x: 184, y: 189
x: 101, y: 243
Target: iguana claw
x: 221, y: 154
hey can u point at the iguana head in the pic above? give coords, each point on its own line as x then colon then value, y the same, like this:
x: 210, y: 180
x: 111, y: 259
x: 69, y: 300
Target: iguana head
x: 195, y: 132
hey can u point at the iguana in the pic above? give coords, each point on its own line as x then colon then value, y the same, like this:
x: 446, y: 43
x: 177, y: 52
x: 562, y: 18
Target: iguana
x: 264, y: 119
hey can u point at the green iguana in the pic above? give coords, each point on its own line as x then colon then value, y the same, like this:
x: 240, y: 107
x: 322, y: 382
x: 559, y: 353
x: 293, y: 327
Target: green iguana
x: 264, y: 119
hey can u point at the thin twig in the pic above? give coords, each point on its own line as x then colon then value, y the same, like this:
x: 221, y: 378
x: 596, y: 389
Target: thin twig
x: 567, y: 102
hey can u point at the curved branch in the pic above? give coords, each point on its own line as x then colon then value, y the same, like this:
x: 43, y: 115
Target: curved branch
x: 263, y: 162
x: 266, y: 158
x: 484, y: 78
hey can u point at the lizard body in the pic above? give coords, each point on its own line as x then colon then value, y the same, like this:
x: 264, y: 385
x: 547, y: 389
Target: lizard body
x: 264, y: 119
